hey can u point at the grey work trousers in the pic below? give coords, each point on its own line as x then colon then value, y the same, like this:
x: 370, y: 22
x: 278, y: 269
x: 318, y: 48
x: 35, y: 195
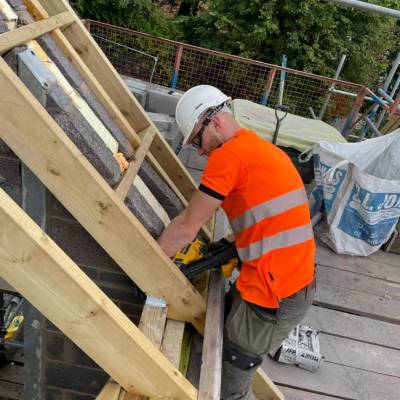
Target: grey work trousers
x: 255, y: 331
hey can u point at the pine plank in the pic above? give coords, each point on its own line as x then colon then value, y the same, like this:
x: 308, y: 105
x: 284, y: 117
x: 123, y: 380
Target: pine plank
x: 43, y: 146
x: 172, y: 341
x: 152, y: 323
x: 264, y: 388
x: 16, y: 37
x: 211, y: 367
x: 35, y: 266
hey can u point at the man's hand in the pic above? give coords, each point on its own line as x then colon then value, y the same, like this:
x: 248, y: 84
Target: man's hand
x: 184, y: 228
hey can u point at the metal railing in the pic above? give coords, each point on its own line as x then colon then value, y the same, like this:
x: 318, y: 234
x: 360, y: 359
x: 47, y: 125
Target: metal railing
x: 182, y: 66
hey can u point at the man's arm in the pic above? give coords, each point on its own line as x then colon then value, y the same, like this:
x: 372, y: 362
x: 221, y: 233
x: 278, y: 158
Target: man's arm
x: 184, y: 227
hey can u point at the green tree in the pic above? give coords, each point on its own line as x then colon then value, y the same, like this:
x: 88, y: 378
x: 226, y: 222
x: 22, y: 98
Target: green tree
x: 142, y: 15
x: 313, y: 34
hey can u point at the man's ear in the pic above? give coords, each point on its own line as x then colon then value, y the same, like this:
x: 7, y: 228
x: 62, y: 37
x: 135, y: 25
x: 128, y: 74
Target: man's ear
x: 217, y: 121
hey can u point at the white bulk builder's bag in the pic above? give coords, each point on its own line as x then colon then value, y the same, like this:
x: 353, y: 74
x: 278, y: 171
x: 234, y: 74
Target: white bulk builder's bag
x: 358, y: 190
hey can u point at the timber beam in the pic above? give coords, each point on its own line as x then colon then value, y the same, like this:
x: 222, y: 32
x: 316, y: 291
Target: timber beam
x: 32, y: 263
x: 37, y: 139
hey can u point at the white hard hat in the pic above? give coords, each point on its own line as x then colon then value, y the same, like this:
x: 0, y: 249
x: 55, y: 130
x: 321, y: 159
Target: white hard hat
x: 193, y: 104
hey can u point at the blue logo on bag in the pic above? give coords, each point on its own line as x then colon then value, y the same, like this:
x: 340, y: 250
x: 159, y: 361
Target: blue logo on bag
x: 324, y: 194
x: 370, y: 216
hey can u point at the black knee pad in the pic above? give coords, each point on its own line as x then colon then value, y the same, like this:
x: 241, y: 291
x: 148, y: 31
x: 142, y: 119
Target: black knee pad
x: 239, y: 359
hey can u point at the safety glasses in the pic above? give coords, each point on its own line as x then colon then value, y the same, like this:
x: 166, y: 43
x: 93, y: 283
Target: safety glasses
x: 198, y: 138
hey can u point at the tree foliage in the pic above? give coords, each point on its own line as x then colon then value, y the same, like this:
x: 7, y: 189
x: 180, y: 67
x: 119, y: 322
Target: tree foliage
x: 142, y: 15
x: 313, y: 34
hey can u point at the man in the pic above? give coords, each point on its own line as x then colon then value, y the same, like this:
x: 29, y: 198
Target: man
x: 264, y: 198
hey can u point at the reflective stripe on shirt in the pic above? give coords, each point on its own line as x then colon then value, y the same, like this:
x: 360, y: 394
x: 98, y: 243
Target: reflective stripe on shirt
x: 268, y: 209
x: 283, y: 239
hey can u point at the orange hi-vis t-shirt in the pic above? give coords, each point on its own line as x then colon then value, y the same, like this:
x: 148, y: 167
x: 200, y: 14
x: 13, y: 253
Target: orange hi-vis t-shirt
x: 265, y: 201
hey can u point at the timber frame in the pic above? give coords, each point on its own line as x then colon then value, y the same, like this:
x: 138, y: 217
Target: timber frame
x: 34, y: 265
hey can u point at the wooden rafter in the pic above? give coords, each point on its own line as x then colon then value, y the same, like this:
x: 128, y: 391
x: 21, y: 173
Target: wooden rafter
x: 32, y: 263
x: 101, y: 67
x: 36, y: 138
x: 168, y: 166
x: 62, y: 168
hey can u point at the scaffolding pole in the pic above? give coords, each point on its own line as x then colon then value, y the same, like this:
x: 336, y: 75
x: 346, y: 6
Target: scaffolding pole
x: 362, y: 5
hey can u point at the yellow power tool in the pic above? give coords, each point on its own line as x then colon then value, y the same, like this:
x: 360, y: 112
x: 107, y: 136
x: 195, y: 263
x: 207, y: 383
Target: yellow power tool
x: 198, y: 257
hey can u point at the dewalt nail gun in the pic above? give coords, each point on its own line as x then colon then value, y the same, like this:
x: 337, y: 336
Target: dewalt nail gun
x: 198, y: 257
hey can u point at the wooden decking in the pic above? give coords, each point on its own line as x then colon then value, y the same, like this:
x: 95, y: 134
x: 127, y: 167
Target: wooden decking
x: 357, y: 310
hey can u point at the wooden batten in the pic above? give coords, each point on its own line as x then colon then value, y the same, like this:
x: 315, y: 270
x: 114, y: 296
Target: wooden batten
x: 130, y: 175
x: 16, y: 37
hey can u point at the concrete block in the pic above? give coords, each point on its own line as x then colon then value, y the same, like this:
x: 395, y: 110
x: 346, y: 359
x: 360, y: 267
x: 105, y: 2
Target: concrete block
x: 11, y: 57
x: 77, y: 82
x: 162, y: 192
x: 135, y: 83
x: 69, y: 117
x: 168, y: 128
x: 191, y: 159
x: 162, y: 101
x: 16, y: 4
x: 83, y: 135
x: 143, y: 212
x: 175, y: 138
x: 40, y: 81
x: 163, y: 122
x: 138, y: 89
